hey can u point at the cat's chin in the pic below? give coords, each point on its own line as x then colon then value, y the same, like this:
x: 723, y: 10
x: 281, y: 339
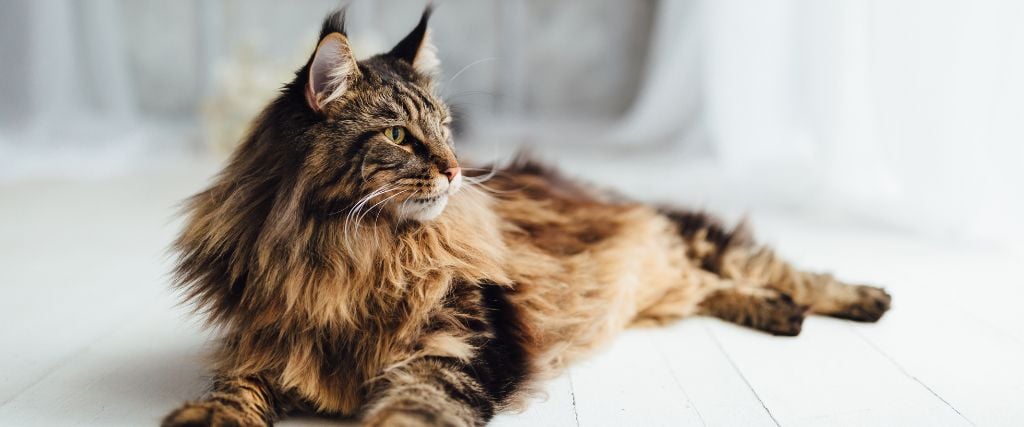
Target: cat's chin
x: 420, y: 210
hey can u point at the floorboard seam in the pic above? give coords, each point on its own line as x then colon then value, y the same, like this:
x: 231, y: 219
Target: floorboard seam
x: 572, y: 394
x: 679, y: 385
x: 908, y: 374
x: 738, y: 372
x: 995, y: 326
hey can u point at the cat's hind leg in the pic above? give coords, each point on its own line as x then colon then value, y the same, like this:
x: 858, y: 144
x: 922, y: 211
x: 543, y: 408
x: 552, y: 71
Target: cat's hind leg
x: 756, y: 307
x: 732, y: 254
x: 823, y: 293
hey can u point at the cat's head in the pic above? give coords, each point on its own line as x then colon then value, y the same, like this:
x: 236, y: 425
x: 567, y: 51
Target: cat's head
x: 370, y: 136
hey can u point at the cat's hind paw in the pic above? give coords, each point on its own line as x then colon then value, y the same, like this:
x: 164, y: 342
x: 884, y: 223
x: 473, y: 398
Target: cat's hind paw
x: 781, y: 316
x: 870, y: 305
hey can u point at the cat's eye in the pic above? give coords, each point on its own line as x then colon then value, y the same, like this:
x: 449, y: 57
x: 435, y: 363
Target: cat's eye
x: 395, y: 134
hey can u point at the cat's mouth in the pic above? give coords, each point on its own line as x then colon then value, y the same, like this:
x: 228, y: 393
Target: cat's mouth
x: 422, y: 208
x: 426, y: 200
x: 427, y: 205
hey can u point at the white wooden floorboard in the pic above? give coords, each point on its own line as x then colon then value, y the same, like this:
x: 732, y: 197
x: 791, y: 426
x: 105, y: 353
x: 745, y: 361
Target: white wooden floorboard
x: 555, y: 408
x: 981, y: 282
x: 630, y: 384
x: 76, y: 259
x: 717, y: 390
x: 829, y: 376
x: 957, y: 328
x: 973, y: 367
x: 149, y: 364
x: 842, y: 381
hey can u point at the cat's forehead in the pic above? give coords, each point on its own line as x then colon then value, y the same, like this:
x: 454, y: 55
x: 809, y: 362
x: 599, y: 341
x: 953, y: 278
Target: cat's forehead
x: 383, y: 69
x: 410, y: 95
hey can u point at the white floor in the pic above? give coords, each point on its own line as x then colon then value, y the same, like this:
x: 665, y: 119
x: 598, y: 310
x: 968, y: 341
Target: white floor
x: 90, y: 335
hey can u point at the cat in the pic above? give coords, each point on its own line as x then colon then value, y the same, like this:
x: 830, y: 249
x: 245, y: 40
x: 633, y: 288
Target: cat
x: 354, y: 269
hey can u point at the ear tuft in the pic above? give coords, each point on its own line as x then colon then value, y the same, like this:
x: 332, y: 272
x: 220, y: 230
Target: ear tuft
x: 426, y: 61
x: 334, y: 23
x: 331, y: 71
x: 416, y: 48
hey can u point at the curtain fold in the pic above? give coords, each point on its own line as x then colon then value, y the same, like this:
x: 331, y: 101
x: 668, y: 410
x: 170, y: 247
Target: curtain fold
x: 905, y: 113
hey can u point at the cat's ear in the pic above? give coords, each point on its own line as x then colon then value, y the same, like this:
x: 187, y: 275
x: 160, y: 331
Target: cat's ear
x: 332, y: 70
x: 416, y: 48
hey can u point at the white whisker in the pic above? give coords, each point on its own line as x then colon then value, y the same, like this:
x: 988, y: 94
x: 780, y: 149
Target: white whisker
x: 480, y: 186
x: 357, y: 207
x: 467, y: 67
x: 380, y: 203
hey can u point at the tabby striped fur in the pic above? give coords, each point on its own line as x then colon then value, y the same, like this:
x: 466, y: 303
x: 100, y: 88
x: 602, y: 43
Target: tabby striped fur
x: 329, y: 300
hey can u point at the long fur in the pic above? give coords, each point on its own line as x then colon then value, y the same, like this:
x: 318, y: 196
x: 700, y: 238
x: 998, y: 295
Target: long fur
x: 328, y: 301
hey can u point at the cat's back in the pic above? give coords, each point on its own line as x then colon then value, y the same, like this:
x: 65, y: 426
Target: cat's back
x: 578, y: 255
x: 565, y: 217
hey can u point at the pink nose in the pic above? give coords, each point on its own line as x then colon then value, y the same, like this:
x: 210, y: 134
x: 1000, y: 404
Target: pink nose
x: 451, y: 173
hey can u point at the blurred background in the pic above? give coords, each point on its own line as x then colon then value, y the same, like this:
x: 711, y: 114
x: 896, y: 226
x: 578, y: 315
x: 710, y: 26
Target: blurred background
x: 902, y: 114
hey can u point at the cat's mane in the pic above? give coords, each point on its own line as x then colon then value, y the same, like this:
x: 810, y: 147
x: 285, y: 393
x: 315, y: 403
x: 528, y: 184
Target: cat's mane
x: 253, y: 258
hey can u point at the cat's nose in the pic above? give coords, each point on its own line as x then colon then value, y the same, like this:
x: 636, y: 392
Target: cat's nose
x: 451, y: 173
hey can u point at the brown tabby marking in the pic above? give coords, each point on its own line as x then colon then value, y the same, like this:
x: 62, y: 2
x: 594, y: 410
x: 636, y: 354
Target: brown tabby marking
x: 349, y: 276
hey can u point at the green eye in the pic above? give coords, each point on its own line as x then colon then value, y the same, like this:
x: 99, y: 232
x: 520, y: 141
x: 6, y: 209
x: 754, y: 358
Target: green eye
x: 395, y: 134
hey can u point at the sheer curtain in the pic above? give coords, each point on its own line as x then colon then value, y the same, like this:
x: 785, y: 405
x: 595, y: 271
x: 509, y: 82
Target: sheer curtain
x: 63, y: 85
x: 906, y: 113
x: 96, y: 87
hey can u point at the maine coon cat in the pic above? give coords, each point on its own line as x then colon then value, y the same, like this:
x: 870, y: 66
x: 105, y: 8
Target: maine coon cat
x: 354, y: 270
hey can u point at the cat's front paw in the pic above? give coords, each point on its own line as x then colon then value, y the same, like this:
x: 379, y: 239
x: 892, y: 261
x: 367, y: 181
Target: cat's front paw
x: 206, y: 414
x: 870, y: 305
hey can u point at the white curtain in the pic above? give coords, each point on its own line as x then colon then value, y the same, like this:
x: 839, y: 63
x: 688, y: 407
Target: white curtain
x: 906, y: 113
x: 70, y: 104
